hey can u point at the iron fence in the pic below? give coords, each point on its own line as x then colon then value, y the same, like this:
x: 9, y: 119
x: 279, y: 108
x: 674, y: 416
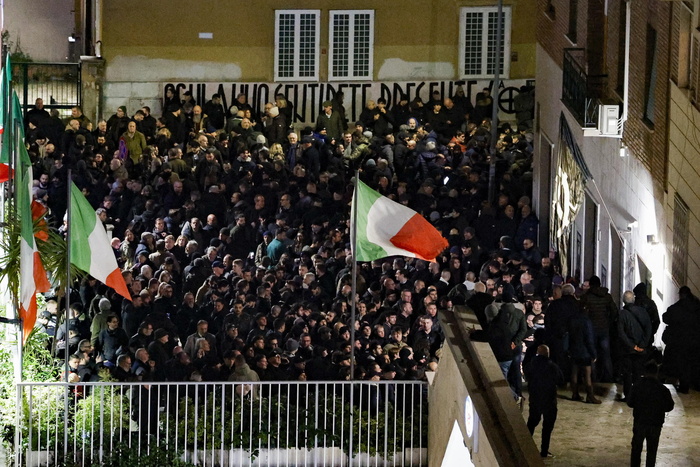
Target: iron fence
x: 58, y: 84
x: 224, y: 424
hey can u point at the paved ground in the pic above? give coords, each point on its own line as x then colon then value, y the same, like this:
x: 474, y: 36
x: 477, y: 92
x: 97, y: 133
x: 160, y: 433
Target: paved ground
x: 600, y: 435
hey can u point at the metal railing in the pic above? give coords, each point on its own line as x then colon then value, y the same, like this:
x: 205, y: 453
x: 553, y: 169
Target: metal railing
x: 58, y: 84
x: 224, y: 424
x: 580, y: 91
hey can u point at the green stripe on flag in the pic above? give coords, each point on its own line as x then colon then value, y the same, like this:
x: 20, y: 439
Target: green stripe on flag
x: 366, y: 250
x: 81, y: 224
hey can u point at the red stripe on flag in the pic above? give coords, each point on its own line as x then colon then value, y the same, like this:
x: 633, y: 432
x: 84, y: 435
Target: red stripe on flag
x: 115, y: 280
x: 419, y: 237
x: 4, y: 172
x: 41, y: 282
x: 28, y: 319
x: 38, y: 210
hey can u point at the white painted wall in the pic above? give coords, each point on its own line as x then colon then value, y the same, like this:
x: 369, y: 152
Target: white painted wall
x: 41, y: 26
x: 622, y: 186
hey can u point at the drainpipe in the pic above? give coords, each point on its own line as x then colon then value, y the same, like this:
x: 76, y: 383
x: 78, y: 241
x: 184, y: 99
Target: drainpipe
x: 625, y: 97
x: 98, y: 28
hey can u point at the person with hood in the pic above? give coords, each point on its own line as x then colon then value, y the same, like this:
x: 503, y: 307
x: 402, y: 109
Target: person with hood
x: 505, y: 336
x: 600, y: 307
x: 117, y: 125
x: 642, y: 299
x: 543, y: 376
x: 276, y: 130
x: 650, y: 400
x: 681, y: 336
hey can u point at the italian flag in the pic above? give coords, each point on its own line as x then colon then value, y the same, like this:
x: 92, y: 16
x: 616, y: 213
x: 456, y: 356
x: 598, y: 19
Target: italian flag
x: 386, y: 228
x: 32, y: 273
x: 90, y: 248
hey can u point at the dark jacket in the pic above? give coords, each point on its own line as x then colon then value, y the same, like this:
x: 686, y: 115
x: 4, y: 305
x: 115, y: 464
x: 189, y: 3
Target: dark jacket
x: 504, y: 330
x: 682, y: 322
x: 111, y: 344
x: 642, y: 299
x: 633, y: 328
x: 543, y: 376
x: 650, y: 400
x: 600, y: 307
x: 558, y: 316
x: 581, y: 338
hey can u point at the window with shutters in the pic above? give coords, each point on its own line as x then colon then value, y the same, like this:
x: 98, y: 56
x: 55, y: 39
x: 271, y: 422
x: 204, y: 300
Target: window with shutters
x: 681, y: 45
x: 478, y: 29
x: 694, y: 69
x: 296, y: 45
x: 679, y: 265
x: 351, y: 40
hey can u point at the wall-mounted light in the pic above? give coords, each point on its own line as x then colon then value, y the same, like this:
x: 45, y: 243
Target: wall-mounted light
x: 71, y: 38
x: 624, y: 150
x: 652, y: 240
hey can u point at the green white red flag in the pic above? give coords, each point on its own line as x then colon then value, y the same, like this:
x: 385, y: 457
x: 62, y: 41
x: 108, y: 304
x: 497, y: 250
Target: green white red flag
x: 90, y: 248
x: 5, y: 137
x: 386, y: 228
x: 32, y: 273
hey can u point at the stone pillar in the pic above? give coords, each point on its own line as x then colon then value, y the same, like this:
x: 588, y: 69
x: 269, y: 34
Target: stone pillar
x: 92, y: 76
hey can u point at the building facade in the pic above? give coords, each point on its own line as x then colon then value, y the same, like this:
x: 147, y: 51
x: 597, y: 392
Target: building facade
x: 603, y: 120
x: 307, y: 50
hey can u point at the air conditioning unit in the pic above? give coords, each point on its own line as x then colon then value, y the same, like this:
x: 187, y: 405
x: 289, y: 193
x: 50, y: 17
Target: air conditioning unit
x: 608, y: 120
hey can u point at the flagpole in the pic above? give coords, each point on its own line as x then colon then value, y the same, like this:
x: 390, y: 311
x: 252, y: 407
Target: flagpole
x: 11, y: 184
x: 353, y: 305
x: 353, y: 292
x: 67, y: 305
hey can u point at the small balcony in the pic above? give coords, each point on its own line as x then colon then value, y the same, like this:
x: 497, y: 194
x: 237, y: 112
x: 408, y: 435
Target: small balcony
x: 581, y: 92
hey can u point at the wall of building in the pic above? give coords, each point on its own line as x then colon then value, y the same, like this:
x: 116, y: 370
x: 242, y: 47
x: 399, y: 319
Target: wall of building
x: 683, y: 176
x: 145, y: 44
x: 42, y: 27
x: 622, y: 187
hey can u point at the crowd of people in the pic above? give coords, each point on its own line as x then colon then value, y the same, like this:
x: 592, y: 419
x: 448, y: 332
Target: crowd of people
x: 232, y: 231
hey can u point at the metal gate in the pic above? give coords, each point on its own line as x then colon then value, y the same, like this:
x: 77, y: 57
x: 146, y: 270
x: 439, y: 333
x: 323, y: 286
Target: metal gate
x: 58, y: 84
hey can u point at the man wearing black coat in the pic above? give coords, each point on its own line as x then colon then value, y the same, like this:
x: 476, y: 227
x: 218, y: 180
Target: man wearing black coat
x: 543, y: 376
x: 681, y: 336
x: 556, y: 324
x: 642, y: 299
x: 650, y: 400
x: 634, y: 331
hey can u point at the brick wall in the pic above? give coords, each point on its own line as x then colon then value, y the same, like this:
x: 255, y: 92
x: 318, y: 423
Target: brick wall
x: 649, y: 145
x: 603, y: 37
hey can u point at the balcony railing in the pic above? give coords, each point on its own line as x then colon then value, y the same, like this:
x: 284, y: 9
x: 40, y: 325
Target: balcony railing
x: 224, y: 424
x: 581, y: 92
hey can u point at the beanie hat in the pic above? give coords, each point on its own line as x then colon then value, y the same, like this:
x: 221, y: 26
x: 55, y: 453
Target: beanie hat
x: 292, y: 345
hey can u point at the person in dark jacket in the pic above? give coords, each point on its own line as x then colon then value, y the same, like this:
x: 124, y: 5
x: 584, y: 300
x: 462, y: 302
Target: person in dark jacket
x: 633, y: 331
x: 642, y: 299
x: 650, y: 400
x: 582, y: 350
x: 600, y: 307
x: 543, y: 376
x: 556, y: 325
x: 505, y: 336
x: 681, y: 336
x: 112, y: 341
